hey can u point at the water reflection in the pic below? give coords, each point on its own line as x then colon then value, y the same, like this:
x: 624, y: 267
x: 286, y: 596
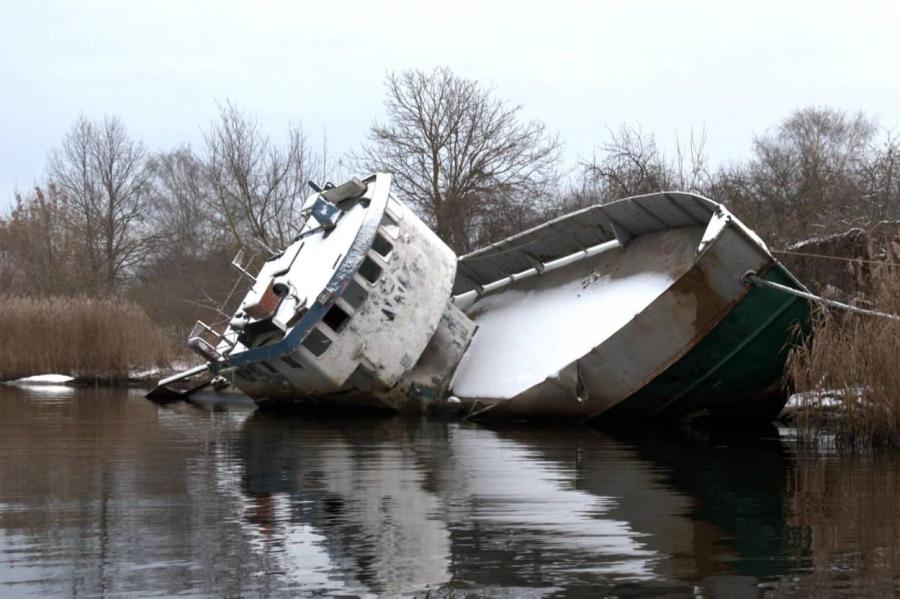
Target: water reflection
x: 358, y: 487
x: 846, y: 513
x: 525, y: 509
x: 102, y: 492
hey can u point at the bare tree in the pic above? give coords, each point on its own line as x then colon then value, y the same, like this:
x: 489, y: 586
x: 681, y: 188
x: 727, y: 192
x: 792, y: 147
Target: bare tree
x: 881, y: 181
x: 181, y: 204
x: 465, y: 160
x: 175, y: 283
x: 807, y: 171
x: 256, y: 187
x: 819, y: 171
x: 631, y: 163
x: 102, y: 176
x: 38, y: 252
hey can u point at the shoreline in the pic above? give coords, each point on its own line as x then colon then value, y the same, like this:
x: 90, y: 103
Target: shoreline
x: 148, y: 380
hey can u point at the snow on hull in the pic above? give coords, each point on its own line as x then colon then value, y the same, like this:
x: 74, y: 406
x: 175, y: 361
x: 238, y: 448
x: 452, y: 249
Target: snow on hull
x: 533, y: 329
x: 565, y: 327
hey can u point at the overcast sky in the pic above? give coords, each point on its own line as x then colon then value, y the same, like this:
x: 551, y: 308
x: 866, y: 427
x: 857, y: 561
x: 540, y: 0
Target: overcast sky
x: 581, y: 67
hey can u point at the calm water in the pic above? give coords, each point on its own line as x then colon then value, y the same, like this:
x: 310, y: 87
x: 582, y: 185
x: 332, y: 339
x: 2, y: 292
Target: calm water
x: 104, y: 493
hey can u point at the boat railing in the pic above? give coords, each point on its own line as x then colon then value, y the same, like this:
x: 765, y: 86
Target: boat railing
x: 204, y: 340
x: 243, y: 266
x: 213, y: 341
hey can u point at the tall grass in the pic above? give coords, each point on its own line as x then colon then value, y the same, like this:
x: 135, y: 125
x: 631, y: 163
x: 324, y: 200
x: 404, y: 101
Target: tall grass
x: 99, y: 338
x: 851, y: 368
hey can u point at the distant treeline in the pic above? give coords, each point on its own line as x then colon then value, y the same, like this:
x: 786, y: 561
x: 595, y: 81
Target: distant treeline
x: 114, y: 218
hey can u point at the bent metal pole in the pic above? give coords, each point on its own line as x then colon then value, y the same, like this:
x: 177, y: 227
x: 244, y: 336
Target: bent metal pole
x: 752, y: 277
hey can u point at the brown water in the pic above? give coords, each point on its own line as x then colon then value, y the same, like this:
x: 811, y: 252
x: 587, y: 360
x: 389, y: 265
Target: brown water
x: 104, y: 493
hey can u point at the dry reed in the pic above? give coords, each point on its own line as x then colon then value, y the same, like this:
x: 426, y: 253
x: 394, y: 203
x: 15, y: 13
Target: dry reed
x: 101, y: 338
x: 851, y: 369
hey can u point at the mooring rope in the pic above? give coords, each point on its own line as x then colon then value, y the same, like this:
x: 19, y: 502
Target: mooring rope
x: 752, y: 277
x: 841, y: 258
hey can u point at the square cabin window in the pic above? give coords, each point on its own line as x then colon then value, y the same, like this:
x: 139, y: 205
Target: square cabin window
x: 336, y: 319
x: 316, y: 342
x: 390, y: 225
x: 369, y: 270
x: 382, y: 246
x: 355, y: 295
x: 291, y: 362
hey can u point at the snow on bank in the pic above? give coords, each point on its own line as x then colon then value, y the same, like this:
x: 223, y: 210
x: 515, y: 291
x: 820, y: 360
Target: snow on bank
x: 825, y: 398
x: 43, y: 379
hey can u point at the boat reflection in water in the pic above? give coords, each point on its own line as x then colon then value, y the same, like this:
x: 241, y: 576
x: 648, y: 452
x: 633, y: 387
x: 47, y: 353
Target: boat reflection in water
x: 398, y: 506
x: 104, y: 493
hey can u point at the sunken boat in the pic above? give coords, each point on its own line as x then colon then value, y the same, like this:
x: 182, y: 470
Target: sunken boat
x: 644, y: 309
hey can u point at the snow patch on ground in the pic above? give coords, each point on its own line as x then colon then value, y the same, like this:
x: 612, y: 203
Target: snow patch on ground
x: 825, y: 398
x: 44, y: 379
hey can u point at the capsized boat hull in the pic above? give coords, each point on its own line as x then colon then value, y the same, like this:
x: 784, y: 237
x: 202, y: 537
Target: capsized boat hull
x: 636, y: 310
x: 709, y: 344
x: 736, y: 371
x: 733, y: 373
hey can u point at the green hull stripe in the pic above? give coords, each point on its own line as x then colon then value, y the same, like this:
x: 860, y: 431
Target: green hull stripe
x: 732, y: 366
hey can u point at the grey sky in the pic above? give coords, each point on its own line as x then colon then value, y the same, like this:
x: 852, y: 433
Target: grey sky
x: 578, y: 66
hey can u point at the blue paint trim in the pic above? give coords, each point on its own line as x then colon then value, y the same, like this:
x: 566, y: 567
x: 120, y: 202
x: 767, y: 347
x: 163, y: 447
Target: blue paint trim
x: 336, y: 285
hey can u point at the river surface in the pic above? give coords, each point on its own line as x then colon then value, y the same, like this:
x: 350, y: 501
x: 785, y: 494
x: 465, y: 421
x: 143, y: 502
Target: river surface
x: 104, y: 493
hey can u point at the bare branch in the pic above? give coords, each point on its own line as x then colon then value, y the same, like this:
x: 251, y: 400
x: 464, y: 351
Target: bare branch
x: 462, y: 158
